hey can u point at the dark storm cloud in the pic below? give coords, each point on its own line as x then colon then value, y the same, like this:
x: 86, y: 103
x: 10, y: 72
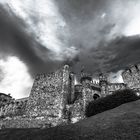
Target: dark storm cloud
x: 97, y: 32
x: 85, y: 9
x: 126, y: 50
x: 113, y: 56
x: 16, y: 41
x: 84, y: 19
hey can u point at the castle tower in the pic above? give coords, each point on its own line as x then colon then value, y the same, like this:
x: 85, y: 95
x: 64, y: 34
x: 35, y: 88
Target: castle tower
x: 103, y: 84
x: 86, y: 81
x: 49, y: 96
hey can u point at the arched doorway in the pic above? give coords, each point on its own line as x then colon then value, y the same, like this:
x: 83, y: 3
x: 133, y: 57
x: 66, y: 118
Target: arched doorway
x: 96, y: 96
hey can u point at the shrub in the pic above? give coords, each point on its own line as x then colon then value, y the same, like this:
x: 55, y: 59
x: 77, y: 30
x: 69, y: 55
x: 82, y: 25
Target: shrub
x: 110, y: 102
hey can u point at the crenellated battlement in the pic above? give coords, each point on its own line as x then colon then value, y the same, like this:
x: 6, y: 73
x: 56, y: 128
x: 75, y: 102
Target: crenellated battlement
x: 95, y: 82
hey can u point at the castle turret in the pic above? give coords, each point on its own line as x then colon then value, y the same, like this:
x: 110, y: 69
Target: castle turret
x: 86, y: 81
x: 103, y: 84
x: 71, y: 88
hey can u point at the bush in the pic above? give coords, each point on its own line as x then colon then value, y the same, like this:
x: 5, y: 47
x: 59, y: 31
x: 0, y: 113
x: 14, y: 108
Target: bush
x: 110, y: 101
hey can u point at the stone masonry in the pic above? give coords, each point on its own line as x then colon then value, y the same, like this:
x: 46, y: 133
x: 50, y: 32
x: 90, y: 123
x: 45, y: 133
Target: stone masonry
x: 55, y: 99
x: 49, y: 96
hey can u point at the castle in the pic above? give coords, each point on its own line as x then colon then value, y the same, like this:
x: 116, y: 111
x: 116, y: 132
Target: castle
x: 56, y: 99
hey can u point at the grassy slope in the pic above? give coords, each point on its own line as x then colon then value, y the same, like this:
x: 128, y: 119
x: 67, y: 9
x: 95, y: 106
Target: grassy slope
x: 121, y: 123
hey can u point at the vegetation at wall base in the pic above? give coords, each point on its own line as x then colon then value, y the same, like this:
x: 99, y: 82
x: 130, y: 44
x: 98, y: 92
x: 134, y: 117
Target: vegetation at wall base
x: 111, y: 101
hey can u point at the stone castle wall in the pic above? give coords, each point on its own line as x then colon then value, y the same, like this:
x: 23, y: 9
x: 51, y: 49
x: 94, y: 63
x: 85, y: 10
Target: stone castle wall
x: 5, y: 99
x: 48, y: 96
x: 84, y: 94
x: 13, y: 109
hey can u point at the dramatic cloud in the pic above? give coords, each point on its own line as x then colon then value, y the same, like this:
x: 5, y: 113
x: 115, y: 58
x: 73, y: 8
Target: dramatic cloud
x: 15, y: 40
x: 47, y: 24
x: 79, y: 31
x: 123, y: 14
x: 16, y: 78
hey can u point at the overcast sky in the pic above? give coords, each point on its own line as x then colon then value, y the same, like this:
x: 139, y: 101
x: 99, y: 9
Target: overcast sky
x: 41, y: 35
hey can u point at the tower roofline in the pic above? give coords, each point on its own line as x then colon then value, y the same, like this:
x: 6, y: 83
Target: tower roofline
x: 85, y: 78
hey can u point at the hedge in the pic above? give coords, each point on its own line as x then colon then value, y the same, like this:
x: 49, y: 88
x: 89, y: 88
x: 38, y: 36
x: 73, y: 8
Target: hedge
x: 110, y: 102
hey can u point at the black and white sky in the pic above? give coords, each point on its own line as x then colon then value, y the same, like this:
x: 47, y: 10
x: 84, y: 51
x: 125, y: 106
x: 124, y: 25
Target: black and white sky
x: 39, y: 36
